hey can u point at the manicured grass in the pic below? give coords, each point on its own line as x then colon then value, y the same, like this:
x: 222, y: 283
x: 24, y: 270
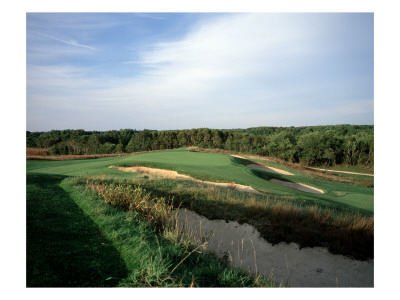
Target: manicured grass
x: 224, y: 168
x: 76, y: 240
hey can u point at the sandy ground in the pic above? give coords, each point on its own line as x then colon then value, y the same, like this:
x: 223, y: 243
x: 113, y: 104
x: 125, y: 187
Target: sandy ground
x: 238, y: 156
x: 270, y: 169
x: 233, y: 186
x: 284, y: 263
x: 346, y: 172
x: 264, y: 168
x: 298, y: 186
x: 175, y: 175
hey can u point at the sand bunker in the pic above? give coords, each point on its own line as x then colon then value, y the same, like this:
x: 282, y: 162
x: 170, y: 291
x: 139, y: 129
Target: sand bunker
x: 264, y: 168
x: 284, y: 263
x: 238, y: 156
x: 345, y: 172
x: 270, y: 169
x: 298, y: 186
x: 175, y: 175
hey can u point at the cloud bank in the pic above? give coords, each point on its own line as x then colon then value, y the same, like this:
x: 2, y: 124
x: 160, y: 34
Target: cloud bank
x: 238, y: 70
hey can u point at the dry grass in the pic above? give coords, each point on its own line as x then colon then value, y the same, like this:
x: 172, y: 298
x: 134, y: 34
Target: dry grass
x: 37, y: 152
x: 157, y: 211
x: 278, y: 219
x: 194, y: 149
x: 34, y: 156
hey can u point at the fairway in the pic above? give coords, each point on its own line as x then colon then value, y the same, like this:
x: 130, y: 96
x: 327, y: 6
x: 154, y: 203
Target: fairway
x: 199, y: 149
x: 220, y: 167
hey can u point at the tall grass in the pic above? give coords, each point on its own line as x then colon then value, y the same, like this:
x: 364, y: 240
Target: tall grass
x: 164, y: 257
x: 71, y: 157
x: 45, y: 154
x: 37, y: 152
x: 157, y: 211
x: 276, y: 218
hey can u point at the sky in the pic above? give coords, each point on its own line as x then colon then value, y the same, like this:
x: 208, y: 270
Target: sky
x: 105, y: 71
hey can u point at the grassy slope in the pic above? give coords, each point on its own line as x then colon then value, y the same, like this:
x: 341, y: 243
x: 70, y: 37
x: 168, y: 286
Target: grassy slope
x: 75, y: 240
x: 64, y: 246
x: 219, y: 167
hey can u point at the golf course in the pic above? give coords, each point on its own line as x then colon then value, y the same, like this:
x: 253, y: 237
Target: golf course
x: 283, y: 203
x: 218, y: 167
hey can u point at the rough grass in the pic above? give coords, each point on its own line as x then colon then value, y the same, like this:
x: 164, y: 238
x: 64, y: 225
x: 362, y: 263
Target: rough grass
x: 64, y: 247
x: 44, y: 154
x: 341, y: 219
x: 37, y: 152
x: 277, y: 219
x: 77, y: 238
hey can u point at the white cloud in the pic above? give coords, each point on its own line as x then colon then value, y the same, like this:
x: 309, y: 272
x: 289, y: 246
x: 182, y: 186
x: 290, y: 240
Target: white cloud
x: 239, y: 70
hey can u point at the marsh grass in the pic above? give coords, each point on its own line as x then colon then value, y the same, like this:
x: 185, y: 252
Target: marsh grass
x: 134, y: 198
x: 38, y: 152
x: 277, y: 218
x: 163, y: 255
x: 45, y: 154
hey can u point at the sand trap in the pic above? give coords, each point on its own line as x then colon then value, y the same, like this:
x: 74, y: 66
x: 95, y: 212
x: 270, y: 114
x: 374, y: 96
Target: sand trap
x: 175, y: 175
x: 264, y: 168
x: 298, y: 186
x: 284, y: 263
x: 238, y: 156
x: 345, y: 172
x: 270, y: 169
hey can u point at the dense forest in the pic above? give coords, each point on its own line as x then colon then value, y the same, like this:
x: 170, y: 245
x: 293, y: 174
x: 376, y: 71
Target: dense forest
x: 311, y: 145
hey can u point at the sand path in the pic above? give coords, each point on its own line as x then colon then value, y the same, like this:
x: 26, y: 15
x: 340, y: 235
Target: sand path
x: 284, y: 263
x: 175, y: 175
x: 346, y: 172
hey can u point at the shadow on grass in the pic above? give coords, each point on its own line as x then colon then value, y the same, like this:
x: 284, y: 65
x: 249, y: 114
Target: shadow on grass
x: 65, y: 248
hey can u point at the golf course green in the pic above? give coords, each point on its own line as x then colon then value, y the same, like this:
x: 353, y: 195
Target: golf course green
x: 220, y: 167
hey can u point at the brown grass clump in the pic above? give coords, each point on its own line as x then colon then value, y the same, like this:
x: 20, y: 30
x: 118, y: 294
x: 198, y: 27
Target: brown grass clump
x: 158, y: 211
x: 71, y: 157
x: 278, y: 219
x: 194, y: 149
x: 40, y: 152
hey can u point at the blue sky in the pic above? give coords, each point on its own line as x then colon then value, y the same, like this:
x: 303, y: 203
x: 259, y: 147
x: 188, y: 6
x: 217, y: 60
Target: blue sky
x: 103, y: 71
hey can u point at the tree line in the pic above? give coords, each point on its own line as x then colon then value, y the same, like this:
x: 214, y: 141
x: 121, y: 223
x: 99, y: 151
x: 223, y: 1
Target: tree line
x: 311, y: 145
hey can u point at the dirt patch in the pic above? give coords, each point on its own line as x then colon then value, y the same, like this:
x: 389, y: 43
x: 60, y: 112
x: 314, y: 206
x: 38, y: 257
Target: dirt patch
x: 270, y: 169
x: 298, y: 186
x: 285, y: 263
x: 175, y: 175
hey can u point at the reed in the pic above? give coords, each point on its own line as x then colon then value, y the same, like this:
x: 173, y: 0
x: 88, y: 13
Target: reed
x: 37, y: 152
x: 277, y: 218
